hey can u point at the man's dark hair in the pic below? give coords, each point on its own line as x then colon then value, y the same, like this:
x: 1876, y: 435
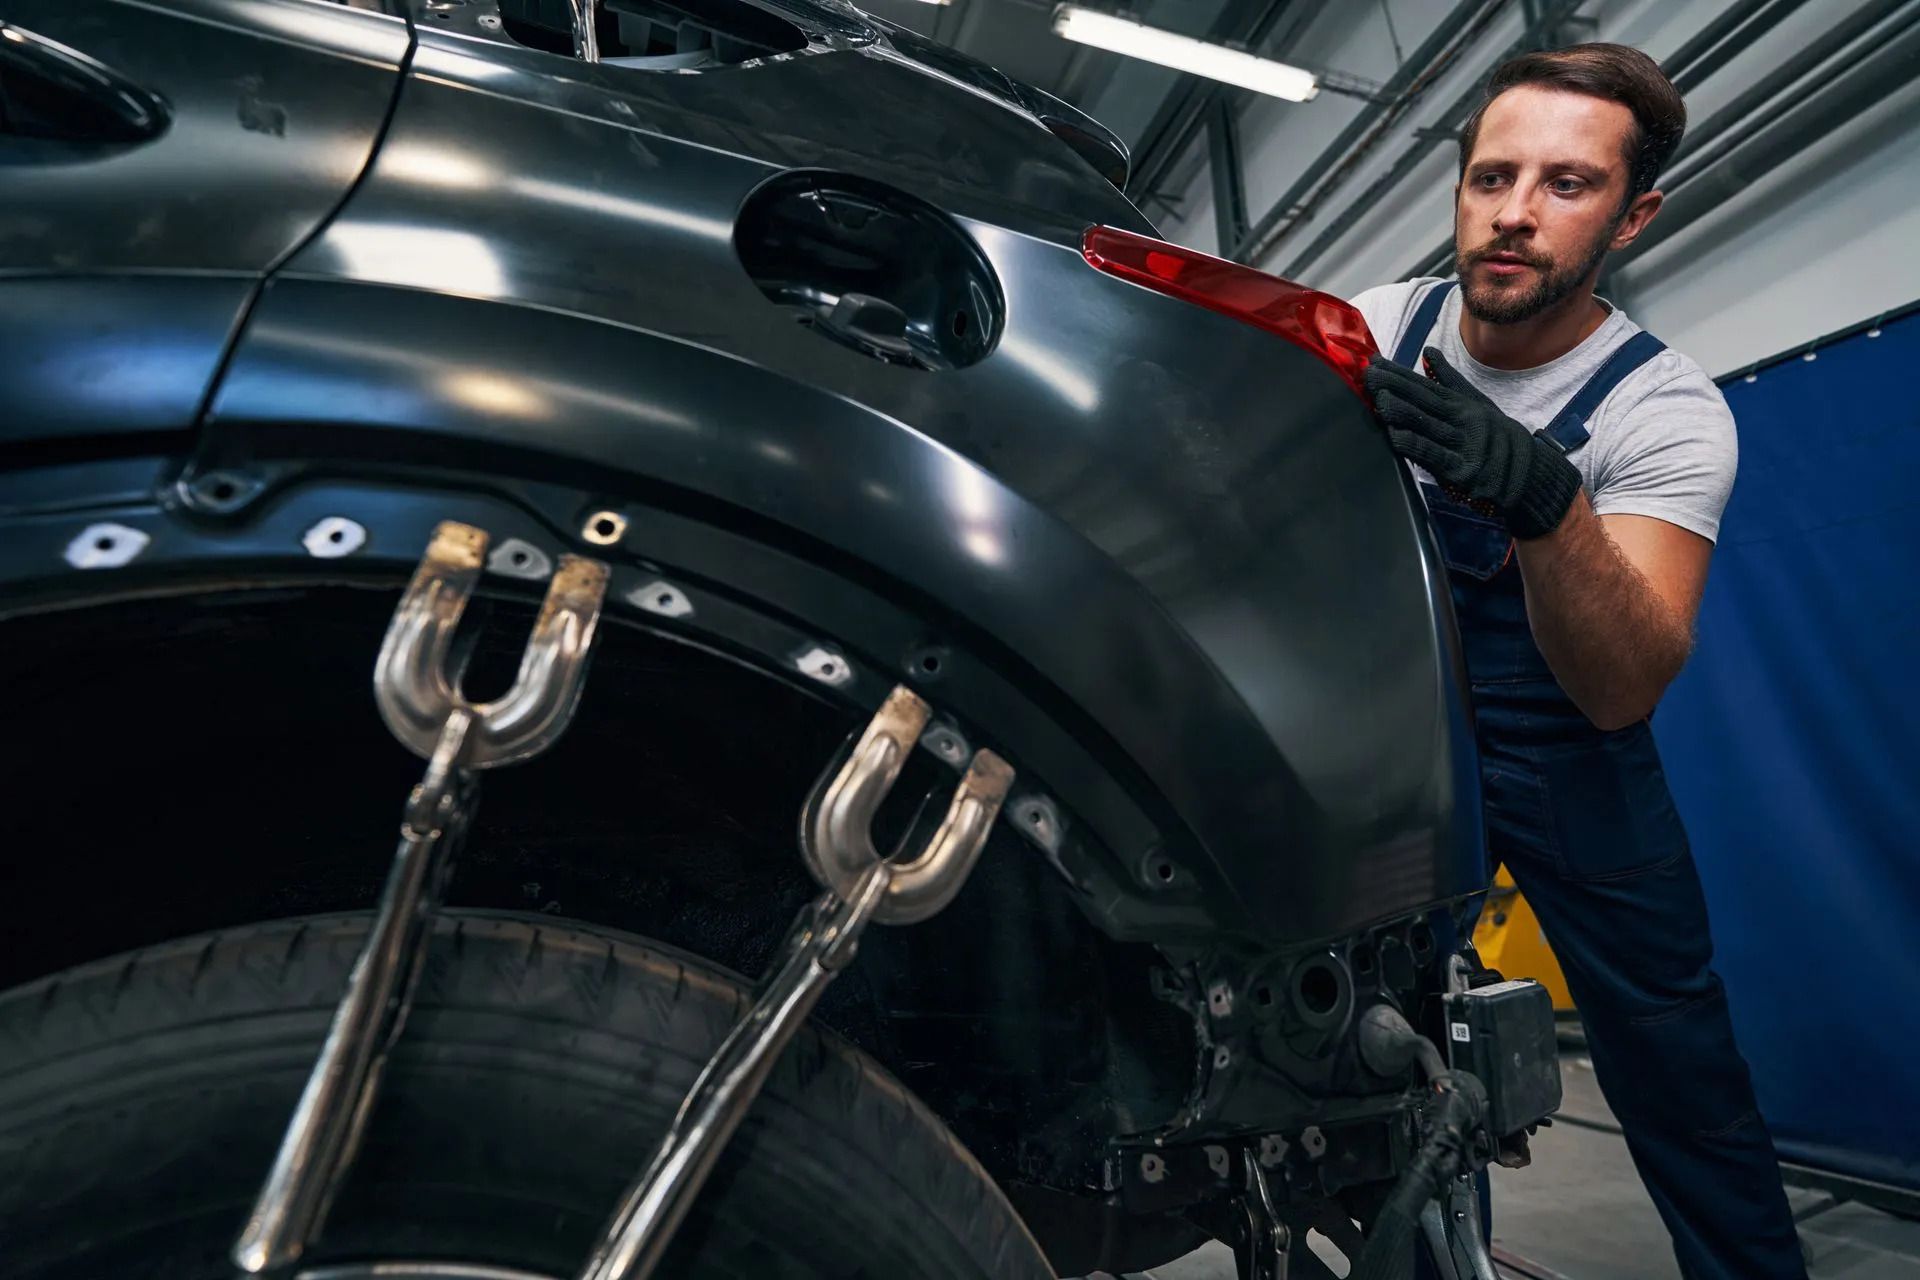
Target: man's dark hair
x: 1615, y: 72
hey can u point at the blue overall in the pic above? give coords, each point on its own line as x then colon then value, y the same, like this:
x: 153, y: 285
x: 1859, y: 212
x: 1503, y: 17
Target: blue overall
x: 1583, y: 819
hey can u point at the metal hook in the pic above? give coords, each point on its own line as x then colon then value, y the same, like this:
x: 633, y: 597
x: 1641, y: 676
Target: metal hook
x: 410, y: 678
x: 860, y: 886
x: 836, y: 840
x: 426, y: 712
x: 924, y: 886
x: 836, y: 826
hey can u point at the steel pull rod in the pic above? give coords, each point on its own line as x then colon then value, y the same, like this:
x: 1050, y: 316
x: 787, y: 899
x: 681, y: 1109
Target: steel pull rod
x: 821, y: 944
x: 325, y: 1131
x: 586, y: 37
x: 422, y: 705
x: 655, y: 1206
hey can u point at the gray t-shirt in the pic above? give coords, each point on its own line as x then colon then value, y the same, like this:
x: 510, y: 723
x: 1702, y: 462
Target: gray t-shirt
x: 1662, y: 442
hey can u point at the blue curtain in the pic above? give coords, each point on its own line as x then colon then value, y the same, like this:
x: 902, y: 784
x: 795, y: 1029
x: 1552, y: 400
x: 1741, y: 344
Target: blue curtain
x: 1792, y: 741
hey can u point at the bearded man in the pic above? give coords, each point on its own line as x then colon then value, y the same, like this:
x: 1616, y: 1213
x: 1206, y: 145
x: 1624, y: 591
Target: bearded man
x: 1575, y: 468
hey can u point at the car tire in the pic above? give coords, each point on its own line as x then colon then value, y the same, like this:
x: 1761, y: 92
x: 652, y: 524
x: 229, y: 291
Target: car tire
x: 142, y: 1099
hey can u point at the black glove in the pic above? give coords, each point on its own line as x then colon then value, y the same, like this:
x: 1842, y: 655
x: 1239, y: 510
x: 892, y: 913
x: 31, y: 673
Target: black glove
x: 1448, y: 426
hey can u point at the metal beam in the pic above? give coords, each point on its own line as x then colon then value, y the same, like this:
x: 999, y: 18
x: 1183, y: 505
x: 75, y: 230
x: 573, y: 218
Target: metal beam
x: 1904, y: 1201
x: 1183, y: 112
x: 1552, y: 14
x: 1881, y: 64
x: 1229, y: 183
x: 1715, y: 54
x: 1736, y: 119
x: 1084, y: 75
x: 1397, y: 88
x: 1770, y: 86
x: 1703, y: 41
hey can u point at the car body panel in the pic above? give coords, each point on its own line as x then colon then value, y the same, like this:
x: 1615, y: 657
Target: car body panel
x: 273, y: 111
x: 382, y: 273
x: 1184, y: 530
x: 125, y: 267
x: 87, y: 357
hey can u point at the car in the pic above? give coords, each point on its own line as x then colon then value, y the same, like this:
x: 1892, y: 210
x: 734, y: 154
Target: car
x: 823, y: 389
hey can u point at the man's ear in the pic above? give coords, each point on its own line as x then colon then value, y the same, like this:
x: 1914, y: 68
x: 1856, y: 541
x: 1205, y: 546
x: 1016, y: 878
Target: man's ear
x: 1638, y: 215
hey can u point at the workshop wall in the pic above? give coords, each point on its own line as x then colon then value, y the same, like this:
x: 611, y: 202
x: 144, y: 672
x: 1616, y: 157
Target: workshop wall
x: 1803, y: 249
x: 1792, y: 742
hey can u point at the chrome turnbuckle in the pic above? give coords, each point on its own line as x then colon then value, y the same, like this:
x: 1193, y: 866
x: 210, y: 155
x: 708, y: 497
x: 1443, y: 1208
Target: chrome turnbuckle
x: 421, y: 702
x: 859, y: 887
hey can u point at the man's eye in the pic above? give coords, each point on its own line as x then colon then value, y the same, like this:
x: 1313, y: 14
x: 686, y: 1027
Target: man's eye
x: 1566, y: 186
x: 1488, y: 180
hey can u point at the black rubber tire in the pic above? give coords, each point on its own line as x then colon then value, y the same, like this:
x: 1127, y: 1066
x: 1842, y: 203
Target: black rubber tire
x: 142, y: 1098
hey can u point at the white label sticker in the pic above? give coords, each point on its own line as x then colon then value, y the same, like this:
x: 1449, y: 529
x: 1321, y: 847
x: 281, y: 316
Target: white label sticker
x: 1461, y: 1033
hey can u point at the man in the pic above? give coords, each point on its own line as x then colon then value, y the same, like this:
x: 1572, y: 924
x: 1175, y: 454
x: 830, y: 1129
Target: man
x: 1575, y: 470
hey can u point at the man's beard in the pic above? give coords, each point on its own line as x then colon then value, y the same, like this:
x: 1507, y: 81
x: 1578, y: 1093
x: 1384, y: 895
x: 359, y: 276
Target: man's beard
x: 1510, y: 302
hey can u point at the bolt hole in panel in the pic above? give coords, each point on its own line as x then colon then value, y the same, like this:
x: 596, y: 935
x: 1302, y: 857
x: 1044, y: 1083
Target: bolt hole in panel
x: 1363, y: 962
x: 872, y: 268
x: 658, y: 35
x: 1322, y: 996
x: 1319, y: 989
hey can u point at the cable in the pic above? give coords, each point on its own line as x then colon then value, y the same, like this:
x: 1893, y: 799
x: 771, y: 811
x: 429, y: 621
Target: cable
x: 1399, y: 56
x: 1460, y: 1107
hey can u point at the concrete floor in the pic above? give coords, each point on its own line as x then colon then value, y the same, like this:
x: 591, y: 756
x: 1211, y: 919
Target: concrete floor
x: 1579, y: 1213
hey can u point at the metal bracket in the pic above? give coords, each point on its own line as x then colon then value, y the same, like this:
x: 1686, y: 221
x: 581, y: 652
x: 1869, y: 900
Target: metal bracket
x: 423, y: 706
x: 1262, y: 1252
x: 1450, y: 1224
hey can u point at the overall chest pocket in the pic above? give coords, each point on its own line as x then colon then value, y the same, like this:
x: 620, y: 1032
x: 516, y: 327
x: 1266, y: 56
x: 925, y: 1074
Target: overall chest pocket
x: 1472, y: 544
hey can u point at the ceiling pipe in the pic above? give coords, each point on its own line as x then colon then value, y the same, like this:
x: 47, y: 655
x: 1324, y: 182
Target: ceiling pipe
x: 1770, y: 86
x: 1690, y: 66
x: 1400, y: 90
x: 1223, y: 163
x: 1702, y: 42
x: 1448, y: 126
x: 1883, y: 64
x: 1182, y: 114
x: 1733, y: 116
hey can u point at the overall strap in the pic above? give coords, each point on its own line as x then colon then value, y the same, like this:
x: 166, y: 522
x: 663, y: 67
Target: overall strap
x: 1569, y: 427
x: 1424, y: 317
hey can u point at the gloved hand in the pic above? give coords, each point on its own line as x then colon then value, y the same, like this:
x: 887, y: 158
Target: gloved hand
x: 1451, y: 428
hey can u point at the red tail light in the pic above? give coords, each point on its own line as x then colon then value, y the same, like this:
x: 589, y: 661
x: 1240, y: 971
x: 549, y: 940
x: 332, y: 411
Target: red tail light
x: 1314, y: 321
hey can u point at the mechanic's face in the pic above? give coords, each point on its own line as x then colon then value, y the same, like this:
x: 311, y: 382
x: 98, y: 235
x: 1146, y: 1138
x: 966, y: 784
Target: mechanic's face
x: 1541, y: 201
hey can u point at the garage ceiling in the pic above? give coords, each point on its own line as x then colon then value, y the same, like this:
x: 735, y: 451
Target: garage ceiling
x: 1016, y: 36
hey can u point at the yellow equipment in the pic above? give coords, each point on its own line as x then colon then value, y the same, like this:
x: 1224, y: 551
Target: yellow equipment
x: 1509, y: 938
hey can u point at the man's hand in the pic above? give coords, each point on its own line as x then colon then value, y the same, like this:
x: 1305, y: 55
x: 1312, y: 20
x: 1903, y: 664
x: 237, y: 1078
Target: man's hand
x: 1451, y: 428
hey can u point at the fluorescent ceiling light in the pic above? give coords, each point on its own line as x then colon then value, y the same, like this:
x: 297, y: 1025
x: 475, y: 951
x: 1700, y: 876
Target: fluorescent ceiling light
x: 1182, y: 53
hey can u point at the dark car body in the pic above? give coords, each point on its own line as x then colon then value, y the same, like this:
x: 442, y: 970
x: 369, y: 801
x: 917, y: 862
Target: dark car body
x: 395, y: 267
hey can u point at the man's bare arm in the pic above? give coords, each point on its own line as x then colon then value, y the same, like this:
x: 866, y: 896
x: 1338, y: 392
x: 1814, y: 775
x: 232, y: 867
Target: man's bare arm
x: 1611, y: 600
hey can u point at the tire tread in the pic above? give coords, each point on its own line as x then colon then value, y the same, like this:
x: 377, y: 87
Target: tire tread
x: 66, y: 1039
